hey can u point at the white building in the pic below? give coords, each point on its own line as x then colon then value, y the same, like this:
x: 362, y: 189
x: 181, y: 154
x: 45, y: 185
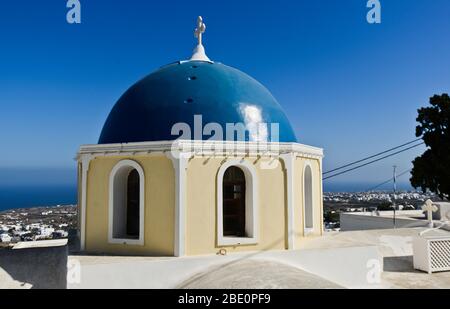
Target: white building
x: 5, y: 238
x: 46, y: 231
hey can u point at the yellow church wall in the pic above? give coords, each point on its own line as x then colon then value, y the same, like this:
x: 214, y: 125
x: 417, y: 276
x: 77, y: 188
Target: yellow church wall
x: 201, y: 206
x: 298, y: 201
x: 299, y: 210
x: 158, y: 212
x: 201, y: 214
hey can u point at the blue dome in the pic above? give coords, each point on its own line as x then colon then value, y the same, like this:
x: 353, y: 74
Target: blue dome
x: 177, y: 92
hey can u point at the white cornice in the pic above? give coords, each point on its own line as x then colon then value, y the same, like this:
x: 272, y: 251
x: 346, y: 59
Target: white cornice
x: 202, y: 148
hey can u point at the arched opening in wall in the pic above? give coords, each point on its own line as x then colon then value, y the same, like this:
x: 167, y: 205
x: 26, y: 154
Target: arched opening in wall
x: 308, y: 193
x: 126, y: 224
x: 133, y: 205
x: 234, y: 205
x: 237, y: 204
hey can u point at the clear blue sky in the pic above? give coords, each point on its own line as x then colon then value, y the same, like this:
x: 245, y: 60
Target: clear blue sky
x: 347, y: 86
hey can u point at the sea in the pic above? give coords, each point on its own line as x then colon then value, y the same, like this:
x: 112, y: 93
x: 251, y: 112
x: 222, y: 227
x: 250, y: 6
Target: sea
x: 27, y: 196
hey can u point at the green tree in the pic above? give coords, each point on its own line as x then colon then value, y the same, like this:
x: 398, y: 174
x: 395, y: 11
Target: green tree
x: 385, y: 206
x: 431, y: 170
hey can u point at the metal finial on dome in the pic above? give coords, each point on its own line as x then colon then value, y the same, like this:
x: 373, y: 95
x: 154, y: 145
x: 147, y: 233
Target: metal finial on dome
x: 199, y: 51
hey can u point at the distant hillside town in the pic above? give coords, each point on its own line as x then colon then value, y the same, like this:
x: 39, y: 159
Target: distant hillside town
x: 40, y: 223
x: 346, y: 202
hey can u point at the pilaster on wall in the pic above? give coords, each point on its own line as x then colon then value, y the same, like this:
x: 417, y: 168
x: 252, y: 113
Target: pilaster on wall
x: 180, y: 162
x: 289, y: 161
x: 85, y: 162
x: 322, y: 227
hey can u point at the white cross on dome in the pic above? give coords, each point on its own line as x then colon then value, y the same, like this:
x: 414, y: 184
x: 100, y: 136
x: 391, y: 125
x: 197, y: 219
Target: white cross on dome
x: 199, y: 51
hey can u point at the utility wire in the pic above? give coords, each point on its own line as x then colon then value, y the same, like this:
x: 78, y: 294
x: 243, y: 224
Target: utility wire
x: 388, y: 181
x: 371, y: 157
x: 373, y: 161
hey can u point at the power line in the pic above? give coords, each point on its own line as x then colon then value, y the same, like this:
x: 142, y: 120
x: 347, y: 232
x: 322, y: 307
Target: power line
x: 373, y: 161
x: 371, y: 157
x: 388, y: 181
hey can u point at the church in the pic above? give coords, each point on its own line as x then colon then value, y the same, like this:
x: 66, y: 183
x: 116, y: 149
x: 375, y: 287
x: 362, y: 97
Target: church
x: 197, y: 158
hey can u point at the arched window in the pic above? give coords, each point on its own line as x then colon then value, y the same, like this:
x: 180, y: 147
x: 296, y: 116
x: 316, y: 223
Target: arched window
x: 126, y: 203
x: 237, y: 204
x: 234, y: 202
x: 308, y: 199
x: 133, y: 205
